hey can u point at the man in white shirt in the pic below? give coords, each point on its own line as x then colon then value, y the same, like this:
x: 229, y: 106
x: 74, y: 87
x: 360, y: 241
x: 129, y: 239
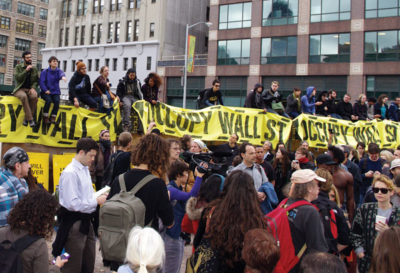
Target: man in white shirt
x: 78, y: 203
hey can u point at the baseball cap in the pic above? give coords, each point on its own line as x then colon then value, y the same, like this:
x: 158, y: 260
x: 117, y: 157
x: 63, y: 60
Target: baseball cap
x: 15, y: 155
x: 395, y: 163
x: 305, y: 176
x: 325, y: 159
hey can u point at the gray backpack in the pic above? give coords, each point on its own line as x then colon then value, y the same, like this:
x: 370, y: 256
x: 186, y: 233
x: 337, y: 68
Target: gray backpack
x: 118, y: 216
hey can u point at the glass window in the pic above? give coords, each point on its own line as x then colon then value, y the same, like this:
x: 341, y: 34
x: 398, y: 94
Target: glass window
x: 43, y: 14
x: 22, y: 45
x: 18, y: 60
x: 3, y: 40
x: 128, y: 31
x: 175, y: 91
x: 66, y: 8
x: 76, y: 36
x: 382, y: 46
x: 330, y: 48
x: 136, y: 31
x: 131, y: 4
x: 82, y: 35
x: 137, y: 5
x: 1, y: 78
x: 381, y: 8
x: 378, y: 85
x: 107, y: 62
x: 66, y: 40
x: 96, y: 6
x: 5, y: 4
x: 99, y: 31
x: 152, y: 26
x: 330, y: 10
x: 119, y: 4
x: 117, y: 29
x: 279, y: 12
x: 115, y: 63
x: 92, y: 34
x: 24, y: 27
x: 126, y: 64
x: 90, y: 65
x: 235, y: 16
x: 234, y: 52
x: 3, y: 60
x: 133, y: 61
x: 110, y: 33
x: 278, y: 50
x: 5, y: 22
x: 26, y: 9
x: 148, y: 63
x: 234, y: 90
x: 97, y: 65
x: 40, y: 47
x: 113, y: 5
x: 60, y: 38
x: 42, y: 31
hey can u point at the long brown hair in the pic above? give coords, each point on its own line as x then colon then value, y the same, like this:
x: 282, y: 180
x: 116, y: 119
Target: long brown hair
x: 385, y: 257
x: 235, y: 213
x: 285, y: 161
x: 152, y: 150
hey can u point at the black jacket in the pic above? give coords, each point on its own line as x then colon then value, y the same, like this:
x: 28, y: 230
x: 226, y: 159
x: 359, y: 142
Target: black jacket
x: 345, y: 110
x: 76, y: 88
x: 292, y: 104
x: 121, y: 87
x: 251, y: 101
x: 377, y: 110
x: 332, y: 105
x: 268, y: 97
x: 360, y: 110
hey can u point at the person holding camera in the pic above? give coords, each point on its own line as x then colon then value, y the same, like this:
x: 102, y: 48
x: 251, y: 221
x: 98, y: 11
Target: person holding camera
x: 272, y: 100
x: 301, y: 160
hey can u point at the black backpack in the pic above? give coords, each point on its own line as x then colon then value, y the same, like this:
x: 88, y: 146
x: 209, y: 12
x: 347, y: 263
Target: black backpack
x: 200, y: 99
x: 10, y: 253
x: 108, y: 176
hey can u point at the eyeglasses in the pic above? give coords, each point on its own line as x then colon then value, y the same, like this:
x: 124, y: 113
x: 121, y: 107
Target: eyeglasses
x: 382, y: 190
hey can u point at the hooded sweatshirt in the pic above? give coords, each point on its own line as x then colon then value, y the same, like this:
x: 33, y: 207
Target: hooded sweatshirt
x: 308, y: 101
x: 125, y: 83
x: 50, y: 80
x: 254, y: 99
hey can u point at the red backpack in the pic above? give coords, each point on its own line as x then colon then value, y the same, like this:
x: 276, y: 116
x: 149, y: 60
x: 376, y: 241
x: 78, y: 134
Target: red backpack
x: 278, y: 224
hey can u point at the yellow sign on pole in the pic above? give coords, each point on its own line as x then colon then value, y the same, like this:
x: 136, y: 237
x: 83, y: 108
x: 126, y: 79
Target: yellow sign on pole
x: 59, y: 164
x: 191, y: 47
x: 40, y: 167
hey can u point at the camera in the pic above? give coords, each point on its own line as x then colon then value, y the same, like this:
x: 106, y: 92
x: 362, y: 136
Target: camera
x: 216, y: 162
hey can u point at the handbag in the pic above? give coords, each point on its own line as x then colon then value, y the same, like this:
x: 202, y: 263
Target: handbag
x: 105, y: 99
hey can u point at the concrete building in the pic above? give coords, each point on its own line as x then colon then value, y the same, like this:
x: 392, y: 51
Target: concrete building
x: 350, y: 46
x: 128, y: 32
x: 23, y: 26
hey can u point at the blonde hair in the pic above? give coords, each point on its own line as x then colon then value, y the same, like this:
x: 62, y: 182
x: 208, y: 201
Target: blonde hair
x: 327, y: 186
x: 383, y: 179
x: 389, y: 156
x: 275, y: 82
x: 145, y: 251
x: 337, y: 199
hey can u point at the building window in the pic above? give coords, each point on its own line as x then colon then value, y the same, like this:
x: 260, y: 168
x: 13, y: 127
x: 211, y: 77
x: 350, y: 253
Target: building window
x: 43, y: 14
x: 66, y: 8
x: 379, y: 85
x: 92, y: 34
x: 330, y: 10
x: 137, y: 4
x: 278, y: 50
x: 99, y: 31
x: 110, y: 33
x: 113, y: 5
x: 136, y: 31
x: 134, y: 60
x: 26, y: 9
x: 24, y: 27
x: 233, y: 52
x: 3, y: 60
x: 45, y: 1
x: 382, y: 46
x: 148, y: 63
x: 73, y: 65
x: 131, y: 4
x: 82, y: 5
x: 18, y: 60
x: 96, y: 6
x: 82, y: 35
x: 234, y: 90
x: 125, y: 64
x: 5, y: 22
x: 90, y: 65
x: 152, y: 26
x: 101, y: 6
x: 117, y: 29
x: 281, y: 12
x: 42, y: 31
x: 115, y: 64
x: 22, y: 45
x: 153, y: 1
x: 330, y: 48
x: 119, y: 4
x: 3, y: 40
x: 128, y: 31
x: 40, y: 47
x: 235, y: 16
x: 5, y: 4
x: 64, y: 65
x: 1, y: 78
x: 60, y: 38
x: 107, y: 62
x: 76, y: 38
x: 66, y: 39
x: 381, y: 8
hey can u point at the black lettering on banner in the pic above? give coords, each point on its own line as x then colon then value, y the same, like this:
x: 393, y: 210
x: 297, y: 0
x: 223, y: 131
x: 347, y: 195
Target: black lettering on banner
x: 255, y: 129
x: 170, y: 123
x: 159, y: 118
x: 105, y: 122
x: 303, y: 126
x: 321, y: 137
x: 371, y: 134
x: 150, y: 109
x: 2, y: 111
x: 239, y: 125
x: 344, y: 130
x: 184, y: 126
x: 206, y: 118
x: 246, y: 127
x: 226, y: 121
x: 391, y: 132
x: 270, y: 124
x: 336, y: 131
x: 114, y: 118
x: 60, y: 126
x: 359, y: 134
x: 138, y: 108
x: 84, y: 127
x: 195, y: 119
x: 313, y: 137
x: 72, y: 126
x: 14, y: 116
x: 281, y: 125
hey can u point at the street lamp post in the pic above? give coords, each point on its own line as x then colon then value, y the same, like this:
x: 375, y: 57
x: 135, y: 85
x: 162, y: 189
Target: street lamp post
x: 208, y: 24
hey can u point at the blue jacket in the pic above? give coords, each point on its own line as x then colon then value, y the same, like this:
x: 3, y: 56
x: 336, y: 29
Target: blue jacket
x: 308, y: 102
x: 271, y: 200
x: 394, y: 112
x: 50, y: 80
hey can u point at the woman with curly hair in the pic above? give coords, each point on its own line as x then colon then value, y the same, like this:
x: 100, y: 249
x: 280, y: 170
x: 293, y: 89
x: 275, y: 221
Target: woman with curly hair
x: 230, y: 217
x: 150, y: 157
x: 33, y: 217
x: 150, y: 87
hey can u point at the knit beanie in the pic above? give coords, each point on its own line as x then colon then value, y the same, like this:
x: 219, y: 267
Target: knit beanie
x: 80, y: 65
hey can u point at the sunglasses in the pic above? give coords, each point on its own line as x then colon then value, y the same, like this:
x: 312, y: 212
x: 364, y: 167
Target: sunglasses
x: 382, y: 190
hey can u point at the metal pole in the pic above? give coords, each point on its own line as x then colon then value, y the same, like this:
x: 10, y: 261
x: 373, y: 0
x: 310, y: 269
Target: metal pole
x: 185, y: 68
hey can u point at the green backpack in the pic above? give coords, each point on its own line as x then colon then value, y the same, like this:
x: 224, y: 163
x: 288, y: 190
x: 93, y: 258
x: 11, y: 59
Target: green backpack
x: 118, y: 216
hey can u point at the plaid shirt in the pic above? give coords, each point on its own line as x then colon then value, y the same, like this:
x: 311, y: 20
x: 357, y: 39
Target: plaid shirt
x: 12, y: 190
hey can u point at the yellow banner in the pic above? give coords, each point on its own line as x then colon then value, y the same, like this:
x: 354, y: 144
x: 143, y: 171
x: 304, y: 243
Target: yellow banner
x: 316, y: 131
x: 40, y: 167
x: 71, y: 124
x: 59, y: 164
x: 216, y: 123
x: 191, y: 48
x: 389, y: 134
